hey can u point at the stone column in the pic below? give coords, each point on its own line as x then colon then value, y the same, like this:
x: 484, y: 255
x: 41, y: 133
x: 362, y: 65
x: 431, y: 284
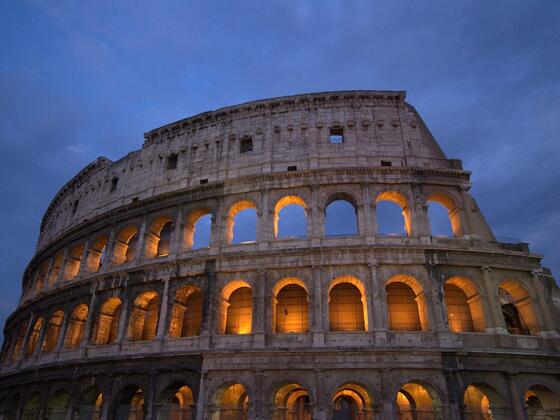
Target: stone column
x: 141, y: 240
x: 89, y: 321
x: 316, y: 231
x: 496, y: 324
x: 84, y: 269
x: 318, y: 326
x: 517, y: 402
x: 162, y: 321
x: 265, y: 233
x: 124, y: 315
x: 62, y: 269
x: 41, y: 337
x: 62, y: 331
x: 109, y: 250
x: 547, y: 327
x: 379, y: 300
x: 28, y: 331
x: 320, y: 411
x: 437, y: 314
x: 370, y: 223
x: 177, y: 244
x: 150, y: 411
x: 46, y: 284
x: 257, y: 327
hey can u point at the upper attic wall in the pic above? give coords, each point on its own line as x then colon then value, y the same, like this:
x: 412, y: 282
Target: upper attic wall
x: 290, y: 131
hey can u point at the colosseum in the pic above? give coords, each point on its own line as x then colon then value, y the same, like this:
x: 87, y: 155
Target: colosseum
x: 170, y: 284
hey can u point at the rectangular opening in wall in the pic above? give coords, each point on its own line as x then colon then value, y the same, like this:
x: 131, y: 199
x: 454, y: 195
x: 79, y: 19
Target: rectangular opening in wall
x: 336, y: 135
x: 292, y: 168
x: 75, y: 206
x: 203, y: 181
x: 114, y: 183
x: 246, y: 145
x: 386, y: 163
x: 172, y: 162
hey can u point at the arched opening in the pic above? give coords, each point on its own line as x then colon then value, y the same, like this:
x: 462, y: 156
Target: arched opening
x: 464, y: 305
x: 144, y: 317
x: 290, y: 307
x: 55, y: 269
x: 52, y: 332
x: 290, y: 218
x: 32, y: 407
x: 233, y: 403
x: 291, y: 402
x: 106, y: 327
x: 477, y: 404
x: 158, y: 238
x: 16, y: 349
x: 76, y: 326
x: 541, y: 403
x: 130, y: 405
x: 176, y: 403
x: 444, y: 216
x: 34, y: 336
x: 414, y: 401
x: 12, y: 408
x: 352, y: 402
x: 406, y: 304
x: 58, y: 405
x: 41, y: 277
x: 393, y: 214
x: 347, y: 305
x: 517, y: 308
x: 125, y: 245
x: 186, y: 314
x: 341, y: 216
x: 241, y: 223
x: 96, y: 253
x: 198, y: 229
x: 73, y: 262
x: 90, y: 404
x: 239, y: 311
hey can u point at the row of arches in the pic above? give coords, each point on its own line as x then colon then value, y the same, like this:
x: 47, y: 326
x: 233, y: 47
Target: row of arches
x: 414, y: 400
x: 291, y: 312
x: 290, y: 220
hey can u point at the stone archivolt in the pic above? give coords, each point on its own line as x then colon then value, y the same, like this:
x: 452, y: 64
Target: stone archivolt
x: 124, y: 314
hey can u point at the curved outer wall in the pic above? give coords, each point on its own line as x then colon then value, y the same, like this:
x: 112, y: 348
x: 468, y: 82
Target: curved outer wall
x: 194, y: 166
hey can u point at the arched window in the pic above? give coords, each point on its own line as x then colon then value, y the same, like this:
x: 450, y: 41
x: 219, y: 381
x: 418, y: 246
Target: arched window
x: 32, y: 406
x: 58, y: 404
x: 96, y: 253
x: 477, y: 404
x: 41, y: 277
x: 464, y: 305
x: 444, y: 215
x: 405, y: 304
x: 517, y: 308
x: 346, y: 308
x: 234, y: 403
x: 158, y: 239
x: 393, y: 214
x: 91, y: 402
x: 291, y: 308
x: 55, y: 269
x: 415, y: 401
x: 16, y: 349
x: 53, y: 331
x: 34, y: 336
x: 106, y: 328
x: 341, y: 217
x: 352, y: 402
x: 186, y: 315
x: 130, y: 404
x: 241, y: 223
x: 125, y: 245
x: 76, y: 325
x: 198, y: 229
x: 541, y: 403
x: 144, y: 317
x: 176, y: 403
x: 292, y: 402
x: 290, y: 218
x: 73, y: 262
x: 236, y: 309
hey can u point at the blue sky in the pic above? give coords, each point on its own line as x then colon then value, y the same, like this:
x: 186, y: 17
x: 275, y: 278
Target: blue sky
x: 83, y: 79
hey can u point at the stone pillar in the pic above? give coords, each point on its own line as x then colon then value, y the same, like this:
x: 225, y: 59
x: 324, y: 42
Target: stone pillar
x: 258, y: 320
x: 257, y: 407
x: 109, y: 251
x: 62, y: 332
x: 177, y: 243
x: 547, y: 327
x: 265, y: 232
x: 379, y: 300
x: 320, y: 410
x: 89, y: 321
x: 84, y: 269
x: 46, y: 284
x: 124, y: 315
x: 28, y: 331
x: 150, y: 411
x: 318, y: 324
x: 41, y: 337
x: 62, y: 269
x: 496, y: 324
x: 370, y: 223
x: 162, y: 321
x: 435, y: 304
x: 420, y: 212
x: 141, y: 240
x: 316, y: 231
x: 517, y: 401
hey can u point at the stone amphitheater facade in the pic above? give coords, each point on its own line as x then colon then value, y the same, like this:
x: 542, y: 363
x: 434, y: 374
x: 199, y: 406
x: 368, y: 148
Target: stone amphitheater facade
x: 122, y: 317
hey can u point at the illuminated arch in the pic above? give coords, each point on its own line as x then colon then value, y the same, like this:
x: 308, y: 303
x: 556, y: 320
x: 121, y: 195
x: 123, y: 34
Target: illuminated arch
x: 347, y: 305
x: 352, y: 401
x: 144, y: 317
x: 406, y: 304
x: 96, y: 253
x: 291, y: 401
x: 232, y: 213
x: 58, y: 260
x: 76, y: 326
x: 287, y: 201
x: 130, y: 403
x: 125, y: 247
x: 517, y: 308
x: 541, y: 402
x: 34, y: 336
x: 236, y: 308
x: 16, y: 349
x: 232, y: 402
x: 454, y: 212
x: 106, y: 327
x: 73, y: 261
x: 159, y: 236
x: 53, y: 331
x: 91, y: 402
x: 41, y: 277
x: 176, y: 402
x: 465, y: 312
x: 417, y: 400
x: 480, y: 400
x: 186, y: 313
x: 401, y: 201
x: 190, y: 225
x: 290, y: 306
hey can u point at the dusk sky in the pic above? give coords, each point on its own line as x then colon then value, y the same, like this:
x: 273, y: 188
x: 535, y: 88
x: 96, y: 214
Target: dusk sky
x: 80, y: 80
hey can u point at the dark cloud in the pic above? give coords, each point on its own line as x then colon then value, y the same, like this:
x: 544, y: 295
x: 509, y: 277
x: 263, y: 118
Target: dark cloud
x: 83, y: 79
